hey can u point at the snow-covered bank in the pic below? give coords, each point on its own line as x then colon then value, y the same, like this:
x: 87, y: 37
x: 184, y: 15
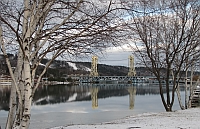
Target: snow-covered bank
x: 182, y: 119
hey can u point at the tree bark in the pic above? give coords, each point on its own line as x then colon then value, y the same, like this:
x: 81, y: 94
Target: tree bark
x: 28, y: 95
x: 179, y: 97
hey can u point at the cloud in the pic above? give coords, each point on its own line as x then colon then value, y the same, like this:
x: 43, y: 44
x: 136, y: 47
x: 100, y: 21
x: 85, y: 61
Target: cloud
x: 117, y: 56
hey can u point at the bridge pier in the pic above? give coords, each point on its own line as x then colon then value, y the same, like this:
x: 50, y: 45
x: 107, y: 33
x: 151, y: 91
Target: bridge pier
x: 94, y: 72
x: 132, y: 71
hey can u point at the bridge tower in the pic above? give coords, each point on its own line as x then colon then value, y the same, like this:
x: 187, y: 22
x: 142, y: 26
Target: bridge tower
x: 132, y: 92
x: 94, y: 98
x: 132, y: 71
x: 93, y: 71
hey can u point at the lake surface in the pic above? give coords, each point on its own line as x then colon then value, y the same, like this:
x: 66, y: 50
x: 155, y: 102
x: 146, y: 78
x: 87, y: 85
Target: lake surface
x: 62, y: 105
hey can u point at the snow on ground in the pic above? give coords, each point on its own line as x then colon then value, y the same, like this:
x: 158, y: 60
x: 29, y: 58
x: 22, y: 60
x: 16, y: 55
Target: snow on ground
x: 182, y: 119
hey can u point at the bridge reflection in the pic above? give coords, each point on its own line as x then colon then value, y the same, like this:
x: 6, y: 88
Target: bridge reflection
x: 95, y: 89
x: 94, y: 92
x: 132, y: 92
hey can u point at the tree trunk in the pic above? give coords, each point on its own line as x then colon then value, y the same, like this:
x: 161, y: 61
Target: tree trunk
x: 167, y: 107
x: 28, y: 99
x: 12, y: 105
x: 26, y: 84
x: 178, y: 91
x: 186, y: 90
x: 26, y: 114
x: 191, y: 86
x: 13, y: 96
x: 179, y: 97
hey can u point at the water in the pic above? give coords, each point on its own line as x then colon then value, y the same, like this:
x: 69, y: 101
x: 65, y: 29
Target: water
x: 63, y: 105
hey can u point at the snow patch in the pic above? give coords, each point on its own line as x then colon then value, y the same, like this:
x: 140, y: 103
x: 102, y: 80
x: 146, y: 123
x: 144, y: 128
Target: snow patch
x: 87, y: 69
x: 73, y: 65
x: 42, y: 64
x: 72, y: 98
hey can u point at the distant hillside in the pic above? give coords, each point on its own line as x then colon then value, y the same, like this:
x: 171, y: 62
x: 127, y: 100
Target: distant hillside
x: 67, y: 68
x: 108, y: 70
x: 60, y: 68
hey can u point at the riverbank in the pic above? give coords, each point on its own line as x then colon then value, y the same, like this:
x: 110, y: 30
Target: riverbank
x: 181, y: 119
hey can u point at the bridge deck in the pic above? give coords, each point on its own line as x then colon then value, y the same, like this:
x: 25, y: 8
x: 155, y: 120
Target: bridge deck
x: 99, y: 79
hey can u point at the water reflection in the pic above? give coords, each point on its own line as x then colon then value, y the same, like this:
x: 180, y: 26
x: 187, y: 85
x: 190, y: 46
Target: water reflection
x: 60, y: 94
x: 4, y: 97
x: 94, y: 92
x: 132, y: 92
x: 94, y: 96
x: 46, y: 95
x: 87, y: 104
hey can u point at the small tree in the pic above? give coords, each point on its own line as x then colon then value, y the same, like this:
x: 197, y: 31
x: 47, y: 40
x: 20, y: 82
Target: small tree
x: 37, y: 29
x: 166, y: 40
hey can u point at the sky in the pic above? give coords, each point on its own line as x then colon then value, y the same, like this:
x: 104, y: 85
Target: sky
x: 116, y: 56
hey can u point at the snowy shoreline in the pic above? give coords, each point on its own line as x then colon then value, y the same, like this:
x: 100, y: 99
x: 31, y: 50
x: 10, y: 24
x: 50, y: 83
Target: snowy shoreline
x: 181, y: 119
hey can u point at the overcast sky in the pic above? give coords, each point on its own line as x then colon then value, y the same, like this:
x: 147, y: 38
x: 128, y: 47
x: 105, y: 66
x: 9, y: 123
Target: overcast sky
x: 117, y: 56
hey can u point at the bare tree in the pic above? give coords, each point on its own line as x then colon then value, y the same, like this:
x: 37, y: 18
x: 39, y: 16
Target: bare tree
x: 166, y: 40
x: 37, y: 29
